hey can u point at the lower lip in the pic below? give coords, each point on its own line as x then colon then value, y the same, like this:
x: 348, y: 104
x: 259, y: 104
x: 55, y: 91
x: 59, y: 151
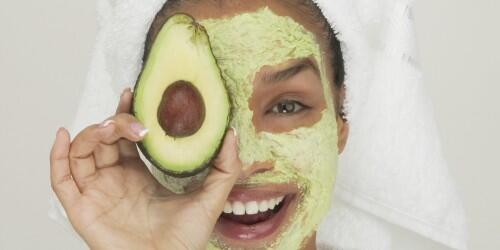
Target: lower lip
x: 258, y: 231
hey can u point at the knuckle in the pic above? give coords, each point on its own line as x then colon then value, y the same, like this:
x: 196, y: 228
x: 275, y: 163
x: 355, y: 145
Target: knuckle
x: 86, y: 133
x: 122, y: 120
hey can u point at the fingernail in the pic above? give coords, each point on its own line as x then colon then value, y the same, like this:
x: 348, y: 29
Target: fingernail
x: 139, y: 129
x: 234, y: 131
x: 106, y: 123
x: 125, y: 91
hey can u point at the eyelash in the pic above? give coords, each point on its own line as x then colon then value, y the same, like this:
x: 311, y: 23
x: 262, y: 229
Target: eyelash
x: 283, y: 105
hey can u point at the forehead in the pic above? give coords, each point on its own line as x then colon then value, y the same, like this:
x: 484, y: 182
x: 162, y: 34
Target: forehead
x: 214, y: 9
x: 245, y: 43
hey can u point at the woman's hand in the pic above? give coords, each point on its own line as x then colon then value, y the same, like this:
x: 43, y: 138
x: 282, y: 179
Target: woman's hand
x: 113, y: 201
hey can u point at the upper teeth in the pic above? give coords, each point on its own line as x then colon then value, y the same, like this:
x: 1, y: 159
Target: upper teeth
x: 251, y: 207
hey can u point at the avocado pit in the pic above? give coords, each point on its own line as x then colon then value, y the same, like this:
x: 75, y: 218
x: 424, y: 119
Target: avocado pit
x: 182, y: 110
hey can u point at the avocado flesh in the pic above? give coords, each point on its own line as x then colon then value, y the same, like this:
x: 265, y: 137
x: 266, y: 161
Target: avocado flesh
x: 181, y: 52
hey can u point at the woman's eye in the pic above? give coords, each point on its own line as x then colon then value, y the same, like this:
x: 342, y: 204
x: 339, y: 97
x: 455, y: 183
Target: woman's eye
x: 288, y: 107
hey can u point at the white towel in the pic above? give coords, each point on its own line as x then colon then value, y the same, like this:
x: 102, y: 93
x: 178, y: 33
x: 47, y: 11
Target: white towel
x: 392, y: 168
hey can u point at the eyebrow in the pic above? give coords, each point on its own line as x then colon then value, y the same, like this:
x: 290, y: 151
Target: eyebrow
x: 290, y: 72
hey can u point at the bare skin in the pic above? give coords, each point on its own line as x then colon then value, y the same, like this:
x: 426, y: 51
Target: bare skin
x: 113, y: 201
x: 297, y: 81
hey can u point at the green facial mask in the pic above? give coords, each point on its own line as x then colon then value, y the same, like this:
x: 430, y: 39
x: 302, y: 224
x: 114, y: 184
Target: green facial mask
x: 307, y: 156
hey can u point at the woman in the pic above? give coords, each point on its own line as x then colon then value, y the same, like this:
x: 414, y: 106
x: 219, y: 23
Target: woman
x: 284, y: 71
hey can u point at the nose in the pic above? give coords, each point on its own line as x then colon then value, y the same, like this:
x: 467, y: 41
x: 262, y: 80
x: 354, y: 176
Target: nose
x: 254, y: 168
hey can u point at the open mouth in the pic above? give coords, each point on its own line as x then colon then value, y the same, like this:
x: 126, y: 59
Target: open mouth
x: 254, y: 214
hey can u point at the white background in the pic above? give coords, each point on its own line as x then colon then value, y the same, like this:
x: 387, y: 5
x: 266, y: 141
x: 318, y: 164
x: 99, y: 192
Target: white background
x: 45, y: 49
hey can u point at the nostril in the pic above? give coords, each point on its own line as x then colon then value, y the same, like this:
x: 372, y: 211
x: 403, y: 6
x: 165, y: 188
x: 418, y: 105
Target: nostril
x: 260, y: 171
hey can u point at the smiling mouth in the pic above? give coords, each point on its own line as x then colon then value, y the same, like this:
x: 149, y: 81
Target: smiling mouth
x: 254, y: 214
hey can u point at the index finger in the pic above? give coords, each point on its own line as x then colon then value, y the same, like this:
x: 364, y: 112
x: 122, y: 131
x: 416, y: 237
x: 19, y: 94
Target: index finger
x: 60, y: 175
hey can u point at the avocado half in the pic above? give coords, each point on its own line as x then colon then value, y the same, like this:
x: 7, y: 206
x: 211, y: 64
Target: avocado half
x: 181, y: 97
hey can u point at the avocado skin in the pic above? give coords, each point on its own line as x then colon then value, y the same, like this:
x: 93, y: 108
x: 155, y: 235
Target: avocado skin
x: 172, y: 173
x: 181, y: 174
x: 133, y: 110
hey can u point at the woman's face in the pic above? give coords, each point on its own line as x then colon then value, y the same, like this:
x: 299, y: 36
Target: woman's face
x: 284, y: 113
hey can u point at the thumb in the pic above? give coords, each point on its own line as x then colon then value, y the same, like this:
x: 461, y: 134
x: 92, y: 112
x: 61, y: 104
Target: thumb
x: 224, y: 173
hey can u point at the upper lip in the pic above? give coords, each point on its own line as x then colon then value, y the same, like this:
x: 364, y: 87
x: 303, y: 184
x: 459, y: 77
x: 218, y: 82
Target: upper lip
x: 244, y: 193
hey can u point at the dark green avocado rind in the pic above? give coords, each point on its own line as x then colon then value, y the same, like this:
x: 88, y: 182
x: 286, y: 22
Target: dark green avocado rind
x: 141, y: 146
x: 180, y: 174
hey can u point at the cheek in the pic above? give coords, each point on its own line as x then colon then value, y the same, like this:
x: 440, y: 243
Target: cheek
x: 310, y: 152
x: 308, y: 156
